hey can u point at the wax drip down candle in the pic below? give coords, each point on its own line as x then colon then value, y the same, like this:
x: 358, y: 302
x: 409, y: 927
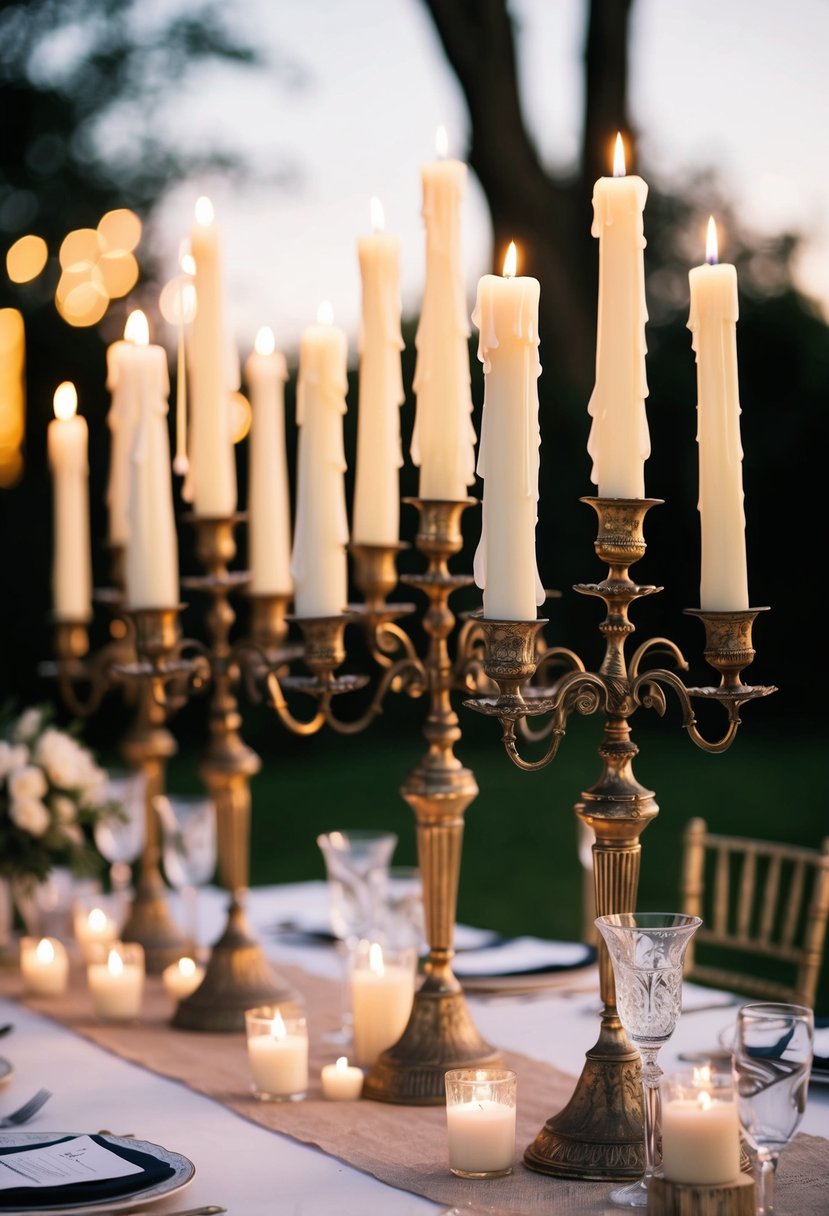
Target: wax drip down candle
x: 506, y: 314
x: 713, y: 323
x: 269, y: 507
x: 619, y: 443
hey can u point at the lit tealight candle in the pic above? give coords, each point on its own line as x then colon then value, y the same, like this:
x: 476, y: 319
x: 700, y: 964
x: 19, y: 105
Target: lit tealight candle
x: 278, y: 1054
x: 341, y: 1082
x: 117, y: 986
x: 93, y: 929
x: 381, y: 1000
x: 182, y: 978
x: 700, y: 1129
x: 44, y: 966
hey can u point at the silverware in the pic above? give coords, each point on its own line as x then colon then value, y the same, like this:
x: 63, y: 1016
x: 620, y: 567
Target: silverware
x: 6, y: 1029
x: 27, y: 1111
x: 210, y: 1209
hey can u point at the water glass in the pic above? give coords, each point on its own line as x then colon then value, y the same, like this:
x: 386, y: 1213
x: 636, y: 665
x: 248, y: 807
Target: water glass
x: 119, y: 834
x: 188, y: 848
x: 357, y: 866
x: 772, y: 1060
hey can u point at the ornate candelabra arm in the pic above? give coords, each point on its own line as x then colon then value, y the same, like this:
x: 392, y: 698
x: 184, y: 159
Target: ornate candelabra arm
x: 73, y: 671
x: 375, y: 573
x: 276, y: 698
x: 238, y: 976
x: 407, y: 674
x: 656, y: 645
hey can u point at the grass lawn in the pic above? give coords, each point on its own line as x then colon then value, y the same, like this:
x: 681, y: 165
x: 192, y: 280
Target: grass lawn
x: 520, y: 868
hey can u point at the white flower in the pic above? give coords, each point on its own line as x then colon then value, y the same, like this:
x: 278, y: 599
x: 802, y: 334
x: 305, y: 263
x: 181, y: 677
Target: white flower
x: 27, y: 782
x: 92, y: 780
x: 58, y: 753
x: 31, y: 815
x: 11, y: 757
x: 64, y: 809
x: 28, y: 725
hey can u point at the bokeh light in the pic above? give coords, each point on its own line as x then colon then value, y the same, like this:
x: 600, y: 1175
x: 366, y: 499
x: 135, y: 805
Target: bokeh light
x: 119, y: 273
x: 240, y: 416
x: 12, y: 395
x: 79, y: 249
x: 26, y: 258
x: 119, y: 231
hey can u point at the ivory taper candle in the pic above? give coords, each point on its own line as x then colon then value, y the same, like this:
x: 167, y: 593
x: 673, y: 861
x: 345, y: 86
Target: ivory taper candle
x: 121, y: 423
x: 506, y: 314
x: 67, y: 442
x: 619, y: 442
x: 443, y: 439
x: 212, y: 458
x: 318, y: 561
x: 713, y: 323
x: 376, y: 518
x: 269, y: 508
x: 151, y: 566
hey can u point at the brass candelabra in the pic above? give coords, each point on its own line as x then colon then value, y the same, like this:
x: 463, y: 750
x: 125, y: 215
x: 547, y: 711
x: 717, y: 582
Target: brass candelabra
x: 440, y: 1033
x: 599, y: 1134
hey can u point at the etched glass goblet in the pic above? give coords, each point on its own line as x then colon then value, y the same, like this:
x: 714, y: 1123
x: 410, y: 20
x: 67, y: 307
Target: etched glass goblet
x: 771, y: 1063
x: 647, y: 950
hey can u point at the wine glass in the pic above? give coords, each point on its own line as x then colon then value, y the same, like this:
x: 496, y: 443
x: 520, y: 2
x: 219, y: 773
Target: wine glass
x: 119, y: 833
x: 188, y: 848
x: 357, y: 867
x: 647, y: 950
x: 772, y: 1061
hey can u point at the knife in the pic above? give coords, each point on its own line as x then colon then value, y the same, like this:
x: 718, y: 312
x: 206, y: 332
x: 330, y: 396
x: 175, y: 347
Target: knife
x: 210, y: 1209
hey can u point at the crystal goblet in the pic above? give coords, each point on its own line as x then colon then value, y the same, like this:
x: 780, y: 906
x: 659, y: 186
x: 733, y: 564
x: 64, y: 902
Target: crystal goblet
x: 119, y: 835
x: 647, y: 950
x: 771, y: 1063
x: 188, y: 848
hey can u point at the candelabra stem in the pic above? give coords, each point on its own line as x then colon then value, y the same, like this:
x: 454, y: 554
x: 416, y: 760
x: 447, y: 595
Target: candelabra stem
x: 238, y: 975
x: 148, y: 746
x: 440, y: 1034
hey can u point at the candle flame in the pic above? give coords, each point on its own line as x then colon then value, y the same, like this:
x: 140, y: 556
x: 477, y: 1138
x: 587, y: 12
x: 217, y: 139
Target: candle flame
x: 325, y: 313
x: 186, y: 261
x: 511, y: 261
x: 45, y: 951
x: 712, y: 252
x: 441, y: 142
x: 115, y: 964
x: 619, y: 169
x: 342, y: 1063
x: 65, y: 401
x: 204, y: 212
x: 137, y: 329
x: 278, y: 1030
x: 265, y: 343
x: 186, y: 967
x: 97, y: 920
x: 375, y: 958
x: 704, y: 1101
x: 378, y: 218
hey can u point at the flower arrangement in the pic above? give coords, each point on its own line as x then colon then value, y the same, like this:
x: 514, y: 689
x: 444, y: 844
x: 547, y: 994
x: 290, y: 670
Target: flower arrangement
x: 51, y: 794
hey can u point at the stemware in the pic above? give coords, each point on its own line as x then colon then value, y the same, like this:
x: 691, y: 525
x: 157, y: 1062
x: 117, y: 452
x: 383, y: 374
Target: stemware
x: 647, y: 950
x: 771, y: 1062
x: 188, y: 848
x: 357, y: 868
x: 119, y: 835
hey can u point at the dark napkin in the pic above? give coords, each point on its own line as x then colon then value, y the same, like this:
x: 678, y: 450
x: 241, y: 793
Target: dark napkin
x: 153, y: 1171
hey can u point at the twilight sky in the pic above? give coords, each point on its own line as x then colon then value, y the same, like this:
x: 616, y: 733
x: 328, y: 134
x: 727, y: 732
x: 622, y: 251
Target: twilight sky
x: 738, y: 85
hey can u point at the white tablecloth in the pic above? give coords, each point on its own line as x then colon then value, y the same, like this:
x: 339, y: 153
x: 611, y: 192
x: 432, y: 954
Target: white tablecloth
x: 254, y: 1172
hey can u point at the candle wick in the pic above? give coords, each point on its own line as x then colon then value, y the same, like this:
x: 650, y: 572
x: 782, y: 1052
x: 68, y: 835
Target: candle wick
x: 712, y: 259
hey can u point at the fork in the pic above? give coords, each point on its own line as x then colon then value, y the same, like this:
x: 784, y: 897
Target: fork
x: 27, y: 1111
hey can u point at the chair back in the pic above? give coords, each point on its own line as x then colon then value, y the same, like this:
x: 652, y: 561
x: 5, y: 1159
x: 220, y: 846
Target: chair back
x: 761, y: 901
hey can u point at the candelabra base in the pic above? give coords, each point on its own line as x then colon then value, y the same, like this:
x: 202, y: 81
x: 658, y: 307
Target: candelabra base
x: 440, y: 1035
x: 238, y: 977
x: 150, y: 924
x: 598, y: 1135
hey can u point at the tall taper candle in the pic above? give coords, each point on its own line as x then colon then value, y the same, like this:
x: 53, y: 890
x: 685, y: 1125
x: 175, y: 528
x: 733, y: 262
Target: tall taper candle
x: 67, y: 442
x: 619, y: 442
x: 212, y: 459
x: 713, y: 323
x: 443, y: 440
x: 376, y: 519
x: 269, y: 507
x: 506, y: 314
x: 151, y: 566
x: 318, y: 562
x: 121, y: 423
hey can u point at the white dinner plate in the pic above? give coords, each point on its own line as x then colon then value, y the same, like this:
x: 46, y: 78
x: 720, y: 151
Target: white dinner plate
x: 184, y: 1171
x: 6, y: 1069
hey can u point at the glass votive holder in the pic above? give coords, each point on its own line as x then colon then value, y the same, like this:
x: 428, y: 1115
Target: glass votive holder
x: 94, y: 923
x: 44, y: 965
x: 115, y: 976
x: 277, y: 1037
x: 480, y: 1121
x: 382, y: 983
x: 182, y: 978
x: 700, y: 1127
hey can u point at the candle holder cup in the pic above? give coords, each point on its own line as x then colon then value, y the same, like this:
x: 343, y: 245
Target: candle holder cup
x: 598, y: 1134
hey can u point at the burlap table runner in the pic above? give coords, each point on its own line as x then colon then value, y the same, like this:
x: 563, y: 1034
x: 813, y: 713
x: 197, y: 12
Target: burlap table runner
x: 402, y: 1146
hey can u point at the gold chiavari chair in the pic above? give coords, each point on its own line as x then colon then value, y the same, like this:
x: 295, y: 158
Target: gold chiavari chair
x: 765, y: 905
